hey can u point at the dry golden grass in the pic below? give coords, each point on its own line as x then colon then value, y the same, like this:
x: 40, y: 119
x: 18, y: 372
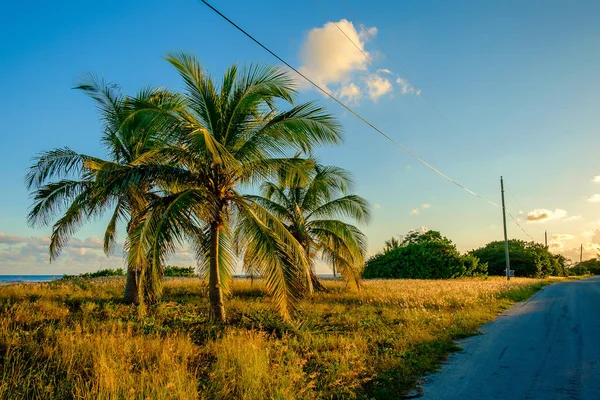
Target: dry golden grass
x: 76, y: 340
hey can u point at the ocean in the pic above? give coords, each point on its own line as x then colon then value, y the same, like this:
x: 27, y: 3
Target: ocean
x: 28, y: 278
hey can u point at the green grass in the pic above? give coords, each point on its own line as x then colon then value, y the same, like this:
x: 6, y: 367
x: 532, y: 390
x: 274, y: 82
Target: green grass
x: 75, y: 339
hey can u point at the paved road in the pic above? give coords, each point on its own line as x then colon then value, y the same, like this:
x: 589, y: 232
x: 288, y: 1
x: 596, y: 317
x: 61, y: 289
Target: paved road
x: 546, y: 348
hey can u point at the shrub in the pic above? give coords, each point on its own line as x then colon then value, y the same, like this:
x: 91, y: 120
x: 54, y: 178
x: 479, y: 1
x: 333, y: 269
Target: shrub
x: 180, y: 271
x: 427, y: 255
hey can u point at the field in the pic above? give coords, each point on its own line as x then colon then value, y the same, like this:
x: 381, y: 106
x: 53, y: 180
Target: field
x: 75, y: 339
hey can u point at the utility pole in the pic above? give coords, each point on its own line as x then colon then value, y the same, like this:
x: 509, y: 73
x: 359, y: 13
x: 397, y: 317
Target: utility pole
x: 546, y: 239
x: 581, y: 253
x: 505, y: 235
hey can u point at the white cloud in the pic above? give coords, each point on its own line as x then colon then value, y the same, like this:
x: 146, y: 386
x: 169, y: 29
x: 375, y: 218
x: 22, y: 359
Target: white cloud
x: 405, y: 86
x: 416, y: 211
x: 572, y: 218
x: 596, y: 179
x: 328, y: 57
x: 377, y: 86
x: 350, y: 93
x: 342, y: 66
x: 590, y: 250
x: 544, y: 215
x: 377, y: 205
x: 592, y: 236
x: 30, y: 255
x: 595, y: 198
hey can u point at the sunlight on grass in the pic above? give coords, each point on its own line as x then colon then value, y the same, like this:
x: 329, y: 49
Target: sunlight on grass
x: 75, y: 339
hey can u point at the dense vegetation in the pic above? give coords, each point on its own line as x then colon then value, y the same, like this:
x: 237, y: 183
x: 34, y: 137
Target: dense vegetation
x: 527, y: 259
x: 422, y: 255
x: 591, y: 266
x: 77, y: 339
x: 181, y: 272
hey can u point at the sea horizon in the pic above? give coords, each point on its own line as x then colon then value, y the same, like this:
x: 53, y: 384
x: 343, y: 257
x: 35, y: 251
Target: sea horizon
x: 13, y: 278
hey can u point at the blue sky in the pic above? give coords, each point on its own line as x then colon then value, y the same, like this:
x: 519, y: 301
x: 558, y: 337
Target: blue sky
x: 516, y: 82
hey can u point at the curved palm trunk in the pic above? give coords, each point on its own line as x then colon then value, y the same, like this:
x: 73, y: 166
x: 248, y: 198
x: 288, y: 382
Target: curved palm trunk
x: 132, y: 295
x: 215, y: 293
x: 317, y: 285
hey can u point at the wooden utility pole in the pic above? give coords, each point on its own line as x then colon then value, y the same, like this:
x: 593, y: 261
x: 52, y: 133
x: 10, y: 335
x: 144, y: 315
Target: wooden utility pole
x: 546, y: 239
x: 505, y: 235
x: 581, y: 253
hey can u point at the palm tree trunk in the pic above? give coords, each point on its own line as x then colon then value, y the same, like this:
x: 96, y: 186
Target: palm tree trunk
x: 132, y: 295
x: 215, y: 294
x: 317, y: 285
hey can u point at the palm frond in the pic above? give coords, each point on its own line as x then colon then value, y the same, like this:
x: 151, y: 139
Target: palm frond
x: 275, y: 253
x: 350, y: 206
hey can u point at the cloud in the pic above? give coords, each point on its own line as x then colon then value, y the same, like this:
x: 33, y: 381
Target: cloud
x: 572, y: 218
x: 592, y: 236
x: 590, y: 250
x: 335, y: 57
x: 351, y: 93
x: 406, y: 87
x: 417, y: 210
x: 544, y: 215
x: 377, y: 205
x: 328, y: 57
x: 595, y: 198
x: 562, y: 236
x: 377, y: 86
x: 596, y: 179
x: 30, y: 255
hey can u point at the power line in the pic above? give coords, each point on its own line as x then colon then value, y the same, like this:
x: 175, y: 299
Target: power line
x: 347, y: 108
x: 385, y: 53
x: 519, y: 225
x: 364, y: 28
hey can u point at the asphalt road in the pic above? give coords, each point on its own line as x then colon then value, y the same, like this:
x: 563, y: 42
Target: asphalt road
x: 545, y: 348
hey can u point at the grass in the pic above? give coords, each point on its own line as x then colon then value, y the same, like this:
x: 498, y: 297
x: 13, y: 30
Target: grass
x: 76, y: 340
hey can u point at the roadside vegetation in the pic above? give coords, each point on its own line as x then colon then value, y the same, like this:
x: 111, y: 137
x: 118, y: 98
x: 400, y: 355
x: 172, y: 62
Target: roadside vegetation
x: 77, y: 339
x: 429, y: 255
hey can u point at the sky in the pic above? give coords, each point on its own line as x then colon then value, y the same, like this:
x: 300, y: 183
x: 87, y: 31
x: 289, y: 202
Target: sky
x: 478, y: 90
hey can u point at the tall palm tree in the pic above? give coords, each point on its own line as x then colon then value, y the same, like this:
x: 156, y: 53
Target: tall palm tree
x: 233, y: 134
x: 83, y: 187
x: 310, y: 209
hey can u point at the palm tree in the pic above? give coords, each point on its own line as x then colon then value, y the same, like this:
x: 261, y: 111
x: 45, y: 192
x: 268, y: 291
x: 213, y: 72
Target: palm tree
x: 232, y: 135
x: 391, y: 245
x: 83, y: 187
x: 310, y: 208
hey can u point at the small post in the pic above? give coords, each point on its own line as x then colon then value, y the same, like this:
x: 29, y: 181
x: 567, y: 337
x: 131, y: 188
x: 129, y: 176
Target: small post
x: 546, y: 239
x: 505, y: 235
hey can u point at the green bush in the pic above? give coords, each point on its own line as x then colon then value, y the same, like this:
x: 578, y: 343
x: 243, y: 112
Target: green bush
x: 426, y: 255
x: 527, y: 259
x: 586, y: 267
x: 98, y: 274
x: 179, y: 271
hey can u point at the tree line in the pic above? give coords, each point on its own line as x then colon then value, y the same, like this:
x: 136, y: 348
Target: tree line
x: 429, y: 255
x: 179, y: 169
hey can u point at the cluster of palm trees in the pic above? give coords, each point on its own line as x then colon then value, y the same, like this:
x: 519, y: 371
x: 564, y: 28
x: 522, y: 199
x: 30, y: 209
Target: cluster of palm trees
x: 177, y: 168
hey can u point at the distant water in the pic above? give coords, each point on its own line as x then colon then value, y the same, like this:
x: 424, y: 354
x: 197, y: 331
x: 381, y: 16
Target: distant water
x: 28, y: 278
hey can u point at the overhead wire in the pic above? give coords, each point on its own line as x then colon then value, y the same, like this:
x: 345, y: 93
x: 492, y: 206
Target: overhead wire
x: 434, y: 108
x: 386, y: 54
x: 357, y: 115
